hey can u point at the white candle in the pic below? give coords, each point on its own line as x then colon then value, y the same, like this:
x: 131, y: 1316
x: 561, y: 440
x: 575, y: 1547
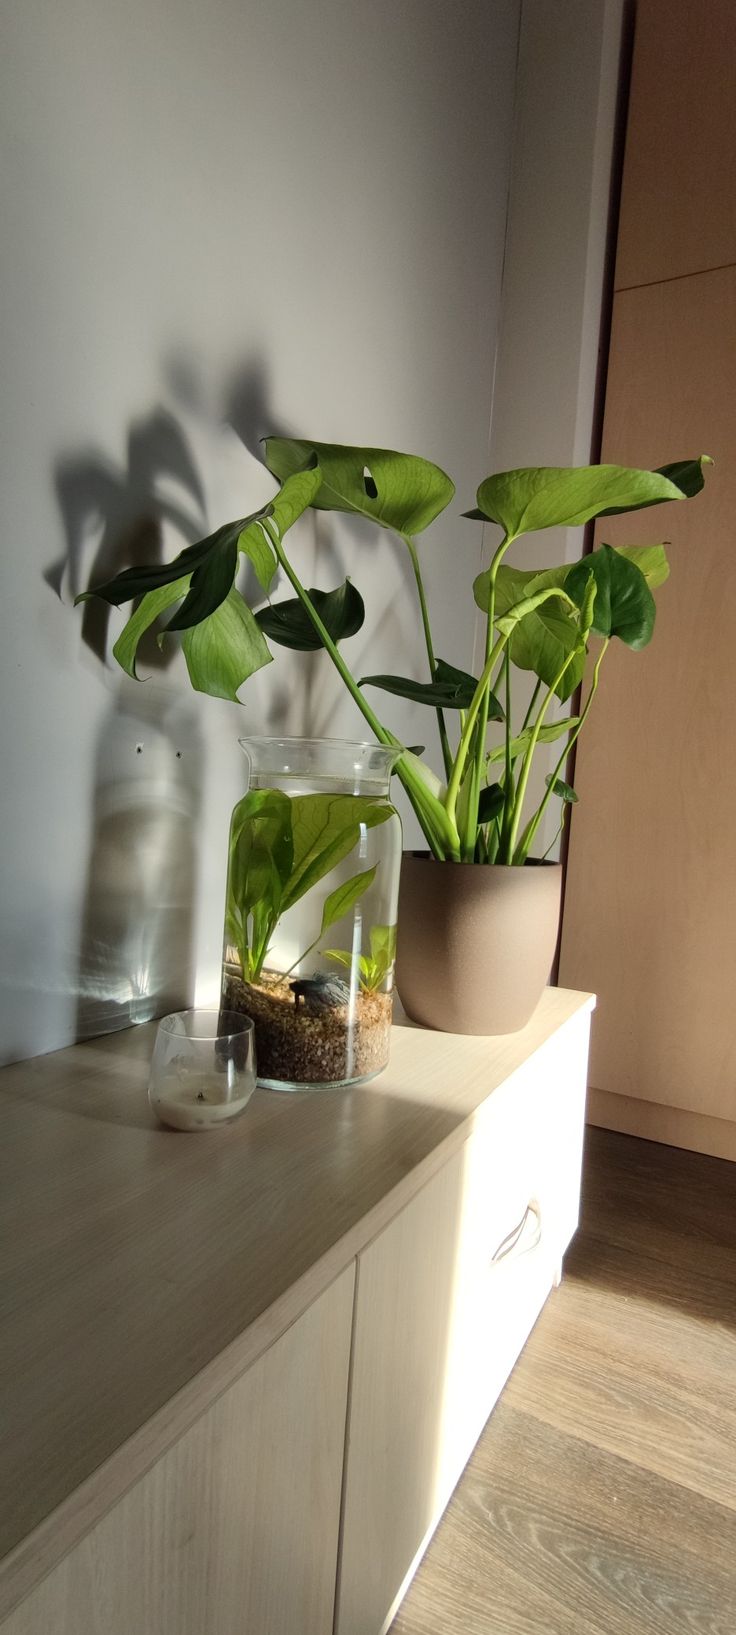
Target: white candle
x: 197, y: 1106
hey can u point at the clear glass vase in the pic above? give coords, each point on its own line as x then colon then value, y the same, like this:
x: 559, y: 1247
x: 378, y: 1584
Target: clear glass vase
x: 310, y: 921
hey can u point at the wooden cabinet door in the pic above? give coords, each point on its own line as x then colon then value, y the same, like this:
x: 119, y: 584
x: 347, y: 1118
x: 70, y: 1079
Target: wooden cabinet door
x: 235, y: 1530
x: 445, y: 1299
x: 650, y: 906
x: 678, y: 206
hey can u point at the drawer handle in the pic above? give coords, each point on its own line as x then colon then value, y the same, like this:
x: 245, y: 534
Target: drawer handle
x: 522, y: 1237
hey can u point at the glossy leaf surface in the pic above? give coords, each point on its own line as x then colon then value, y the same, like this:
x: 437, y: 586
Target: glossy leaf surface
x: 624, y: 605
x: 536, y: 497
x: 399, y: 491
x: 223, y: 650
x: 342, y: 612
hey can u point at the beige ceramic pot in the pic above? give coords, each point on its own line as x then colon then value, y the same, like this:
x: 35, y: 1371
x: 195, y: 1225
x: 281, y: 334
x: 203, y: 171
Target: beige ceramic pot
x: 475, y: 942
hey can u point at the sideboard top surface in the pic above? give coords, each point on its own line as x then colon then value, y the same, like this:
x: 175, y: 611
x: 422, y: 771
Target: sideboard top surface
x: 132, y: 1257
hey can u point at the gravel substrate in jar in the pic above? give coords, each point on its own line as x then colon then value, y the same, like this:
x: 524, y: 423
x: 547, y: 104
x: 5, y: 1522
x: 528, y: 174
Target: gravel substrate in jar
x: 304, y: 1045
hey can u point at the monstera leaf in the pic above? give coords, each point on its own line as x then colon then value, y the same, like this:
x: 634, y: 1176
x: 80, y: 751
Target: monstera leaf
x: 536, y: 497
x: 223, y: 650
x: 210, y: 565
x: 342, y: 612
x: 399, y: 491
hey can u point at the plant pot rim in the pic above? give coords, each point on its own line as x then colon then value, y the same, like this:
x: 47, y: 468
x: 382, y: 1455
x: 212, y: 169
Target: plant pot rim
x: 516, y: 868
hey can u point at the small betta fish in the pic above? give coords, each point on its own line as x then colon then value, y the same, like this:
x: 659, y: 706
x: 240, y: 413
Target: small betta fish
x: 320, y: 992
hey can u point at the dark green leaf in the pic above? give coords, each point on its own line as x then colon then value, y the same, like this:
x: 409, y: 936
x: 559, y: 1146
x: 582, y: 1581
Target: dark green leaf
x: 559, y: 787
x: 223, y: 650
x: 491, y: 803
x: 536, y: 497
x: 342, y: 611
x: 451, y: 689
x: 399, y: 491
x: 624, y: 605
x: 134, y: 582
x: 211, y: 582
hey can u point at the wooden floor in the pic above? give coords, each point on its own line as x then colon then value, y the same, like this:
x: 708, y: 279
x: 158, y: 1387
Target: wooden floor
x: 601, y: 1499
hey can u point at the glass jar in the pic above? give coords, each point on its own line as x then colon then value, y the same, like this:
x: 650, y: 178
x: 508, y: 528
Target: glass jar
x: 310, y: 921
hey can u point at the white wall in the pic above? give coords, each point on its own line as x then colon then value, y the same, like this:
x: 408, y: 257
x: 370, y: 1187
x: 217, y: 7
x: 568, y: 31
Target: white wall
x: 282, y: 216
x: 554, y: 273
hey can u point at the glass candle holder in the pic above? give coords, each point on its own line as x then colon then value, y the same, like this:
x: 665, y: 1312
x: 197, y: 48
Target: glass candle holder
x: 203, y: 1069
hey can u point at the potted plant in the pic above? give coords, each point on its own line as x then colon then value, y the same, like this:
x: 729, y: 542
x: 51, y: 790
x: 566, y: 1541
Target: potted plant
x: 475, y: 943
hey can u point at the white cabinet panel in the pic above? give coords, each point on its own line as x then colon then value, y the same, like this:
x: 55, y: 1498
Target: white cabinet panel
x: 235, y: 1530
x: 446, y: 1297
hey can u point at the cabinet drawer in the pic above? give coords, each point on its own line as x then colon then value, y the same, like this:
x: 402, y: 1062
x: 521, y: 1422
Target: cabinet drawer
x: 446, y: 1297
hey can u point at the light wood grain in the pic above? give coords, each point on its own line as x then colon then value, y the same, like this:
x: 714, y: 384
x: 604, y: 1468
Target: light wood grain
x: 107, y: 1220
x: 552, y: 1531
x: 650, y: 908
x: 439, y: 1323
x: 236, y: 1527
x: 678, y: 207
x: 698, y: 1132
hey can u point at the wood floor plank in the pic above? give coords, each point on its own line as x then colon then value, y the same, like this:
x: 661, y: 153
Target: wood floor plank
x: 602, y: 1495
x: 548, y: 1535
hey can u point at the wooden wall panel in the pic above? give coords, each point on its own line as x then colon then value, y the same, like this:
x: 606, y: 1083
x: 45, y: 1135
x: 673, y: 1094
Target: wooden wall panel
x: 678, y: 210
x: 650, y: 912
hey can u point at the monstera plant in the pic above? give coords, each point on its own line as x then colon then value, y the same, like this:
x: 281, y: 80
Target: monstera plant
x: 544, y: 622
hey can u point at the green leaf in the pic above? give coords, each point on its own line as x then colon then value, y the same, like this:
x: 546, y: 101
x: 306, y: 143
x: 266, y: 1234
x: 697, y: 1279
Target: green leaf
x: 253, y: 543
x: 342, y: 611
x: 536, y: 497
x: 325, y: 828
x: 399, y: 491
x: 687, y: 475
x: 212, y: 561
x: 374, y: 968
x: 152, y: 604
x: 651, y: 561
x: 134, y: 582
x: 559, y: 787
x: 297, y: 492
x: 261, y: 860
x: 225, y: 649
x: 451, y: 689
x: 210, y: 585
x: 342, y: 956
x: 547, y: 735
x: 548, y: 634
x: 383, y: 944
x: 533, y: 600
x: 491, y: 803
x: 624, y: 605
x: 344, y: 897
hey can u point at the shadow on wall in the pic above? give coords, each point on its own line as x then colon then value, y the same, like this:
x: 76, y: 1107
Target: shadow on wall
x: 136, y: 956
x: 136, y: 952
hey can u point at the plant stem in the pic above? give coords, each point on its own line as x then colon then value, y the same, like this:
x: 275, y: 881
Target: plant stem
x: 532, y: 702
x: 441, y: 724
x: 574, y: 735
x: 471, y: 823
x: 453, y: 787
x: 439, y: 832
x: 521, y: 786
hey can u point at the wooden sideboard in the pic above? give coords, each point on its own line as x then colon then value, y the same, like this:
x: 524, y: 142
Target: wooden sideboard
x: 242, y: 1371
